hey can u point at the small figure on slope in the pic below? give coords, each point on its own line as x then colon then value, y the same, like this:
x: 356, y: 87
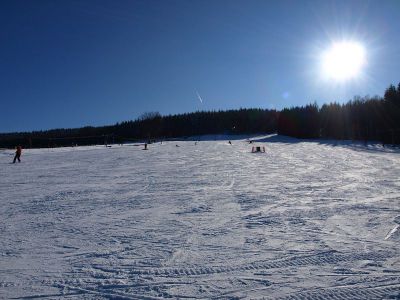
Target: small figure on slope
x: 18, y: 153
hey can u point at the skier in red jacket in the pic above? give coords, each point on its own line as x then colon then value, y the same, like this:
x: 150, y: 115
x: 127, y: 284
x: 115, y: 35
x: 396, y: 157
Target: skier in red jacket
x: 18, y: 154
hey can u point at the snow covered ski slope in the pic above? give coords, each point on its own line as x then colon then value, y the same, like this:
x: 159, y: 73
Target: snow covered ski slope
x: 305, y: 220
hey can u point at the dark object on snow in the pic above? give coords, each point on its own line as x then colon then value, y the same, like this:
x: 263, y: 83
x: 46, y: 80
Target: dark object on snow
x: 145, y: 146
x: 230, y: 143
x: 258, y: 149
x: 17, y: 154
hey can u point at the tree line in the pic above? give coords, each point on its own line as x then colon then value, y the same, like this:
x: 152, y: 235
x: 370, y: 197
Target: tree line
x: 151, y: 126
x: 365, y: 119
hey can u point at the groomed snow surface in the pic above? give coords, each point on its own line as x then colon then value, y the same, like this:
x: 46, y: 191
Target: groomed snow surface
x: 305, y: 220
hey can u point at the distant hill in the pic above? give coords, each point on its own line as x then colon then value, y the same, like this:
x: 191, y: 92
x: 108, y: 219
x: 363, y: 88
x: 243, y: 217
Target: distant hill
x: 151, y: 126
x: 363, y: 119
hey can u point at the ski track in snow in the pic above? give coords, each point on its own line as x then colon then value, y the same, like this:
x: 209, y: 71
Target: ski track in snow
x: 305, y: 220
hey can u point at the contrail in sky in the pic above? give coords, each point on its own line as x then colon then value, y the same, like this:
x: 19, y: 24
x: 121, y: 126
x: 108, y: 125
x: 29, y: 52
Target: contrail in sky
x: 198, y: 96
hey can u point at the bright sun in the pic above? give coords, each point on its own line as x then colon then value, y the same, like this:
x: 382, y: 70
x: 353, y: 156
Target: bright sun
x: 343, y: 61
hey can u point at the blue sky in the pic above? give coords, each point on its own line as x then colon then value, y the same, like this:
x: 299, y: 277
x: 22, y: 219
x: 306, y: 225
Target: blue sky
x: 78, y: 62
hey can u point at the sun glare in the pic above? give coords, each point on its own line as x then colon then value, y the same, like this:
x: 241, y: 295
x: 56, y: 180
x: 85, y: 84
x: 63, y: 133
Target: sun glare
x: 343, y: 61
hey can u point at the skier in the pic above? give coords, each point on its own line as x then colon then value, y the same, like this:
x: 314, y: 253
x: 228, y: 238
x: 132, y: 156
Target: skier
x: 17, y: 154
